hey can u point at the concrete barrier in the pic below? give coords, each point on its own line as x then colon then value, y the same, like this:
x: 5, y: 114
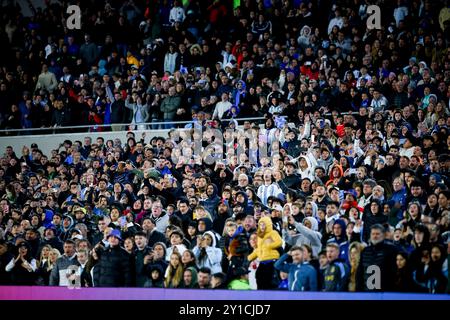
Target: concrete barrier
x: 49, y: 142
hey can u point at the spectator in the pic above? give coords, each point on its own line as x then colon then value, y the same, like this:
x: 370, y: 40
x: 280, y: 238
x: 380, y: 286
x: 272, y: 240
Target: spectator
x: 266, y: 251
x: 115, y: 263
x: 379, y: 254
x: 336, y: 273
x: 23, y: 267
x: 302, y: 276
x: 46, y: 80
x: 60, y: 274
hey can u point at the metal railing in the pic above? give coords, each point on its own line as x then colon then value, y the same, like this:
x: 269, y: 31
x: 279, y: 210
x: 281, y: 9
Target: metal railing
x: 125, y: 126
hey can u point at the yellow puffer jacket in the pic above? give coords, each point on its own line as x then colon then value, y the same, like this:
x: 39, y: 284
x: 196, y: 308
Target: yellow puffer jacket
x: 268, y: 244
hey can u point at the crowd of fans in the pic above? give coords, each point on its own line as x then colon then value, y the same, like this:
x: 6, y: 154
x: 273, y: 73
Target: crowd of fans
x: 355, y: 122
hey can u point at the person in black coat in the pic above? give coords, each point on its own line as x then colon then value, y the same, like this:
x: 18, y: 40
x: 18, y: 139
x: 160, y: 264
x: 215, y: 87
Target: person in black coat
x: 5, y: 258
x: 118, y: 111
x: 380, y: 255
x: 22, y: 266
x: 115, y: 265
x: 153, y: 235
x: 403, y: 279
x: 373, y: 214
x: 142, y: 256
x: 51, y: 240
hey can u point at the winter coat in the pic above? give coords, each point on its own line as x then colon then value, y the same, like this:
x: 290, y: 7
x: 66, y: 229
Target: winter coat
x: 141, y: 109
x: 19, y: 274
x: 210, y: 256
x: 342, y: 241
x: 162, y: 222
x: 306, y: 236
x: 267, y: 244
x: 141, y: 272
x: 169, y: 107
x: 118, y: 111
x: 369, y: 219
x: 58, y: 277
x: 302, y: 277
x: 116, y: 267
x: 382, y: 255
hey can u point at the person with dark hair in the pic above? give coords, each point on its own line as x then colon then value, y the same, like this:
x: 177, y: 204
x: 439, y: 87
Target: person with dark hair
x: 431, y: 274
x: 373, y: 214
x: 378, y: 257
x: 302, y: 276
x: 116, y: 265
x: 403, y: 279
x: 22, y: 267
x: 204, y: 278
x: 60, y: 272
x: 153, y: 235
x: 142, y: 258
x: 219, y: 281
x: 420, y: 242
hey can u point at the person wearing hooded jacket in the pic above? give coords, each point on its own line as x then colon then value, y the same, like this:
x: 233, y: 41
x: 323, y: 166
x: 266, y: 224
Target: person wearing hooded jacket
x: 373, y: 214
x: 66, y: 227
x: 193, y: 283
x: 223, y: 214
x: 155, y: 277
x: 307, y: 234
x: 306, y: 166
x: 266, y: 252
x: 248, y: 209
x: 210, y: 203
x: 116, y: 264
x: 340, y: 238
x: 207, y: 253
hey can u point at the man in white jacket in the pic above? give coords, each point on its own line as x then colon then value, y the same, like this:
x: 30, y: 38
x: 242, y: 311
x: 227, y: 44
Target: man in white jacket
x: 222, y: 107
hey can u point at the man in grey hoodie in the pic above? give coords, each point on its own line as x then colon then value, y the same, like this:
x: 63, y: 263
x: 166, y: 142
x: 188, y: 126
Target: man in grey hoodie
x: 61, y: 270
x: 306, y: 233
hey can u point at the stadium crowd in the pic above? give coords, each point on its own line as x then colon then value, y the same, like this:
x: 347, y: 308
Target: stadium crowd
x: 352, y: 195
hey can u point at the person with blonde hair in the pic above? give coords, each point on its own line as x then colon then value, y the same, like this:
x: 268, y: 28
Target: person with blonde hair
x: 355, y: 250
x: 44, y: 264
x: 174, y: 271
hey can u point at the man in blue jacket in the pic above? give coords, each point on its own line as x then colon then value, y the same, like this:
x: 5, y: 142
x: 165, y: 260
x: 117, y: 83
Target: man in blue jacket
x: 302, y: 276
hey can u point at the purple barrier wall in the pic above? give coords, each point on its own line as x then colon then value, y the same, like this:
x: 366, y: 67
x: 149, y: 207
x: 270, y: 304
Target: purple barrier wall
x: 62, y: 293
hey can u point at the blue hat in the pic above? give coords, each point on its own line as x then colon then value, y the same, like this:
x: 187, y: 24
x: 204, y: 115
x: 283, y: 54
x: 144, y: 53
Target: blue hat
x: 115, y: 233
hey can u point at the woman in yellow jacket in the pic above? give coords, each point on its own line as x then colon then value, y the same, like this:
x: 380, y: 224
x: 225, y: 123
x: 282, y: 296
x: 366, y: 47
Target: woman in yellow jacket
x: 266, y: 252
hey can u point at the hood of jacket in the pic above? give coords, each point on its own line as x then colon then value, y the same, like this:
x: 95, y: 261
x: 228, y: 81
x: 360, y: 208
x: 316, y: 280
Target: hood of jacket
x: 194, y: 280
x: 71, y: 222
x: 215, y: 192
x: 269, y: 226
x: 341, y: 172
x: 341, y: 223
x: 314, y: 223
x: 208, y: 223
x: 213, y: 237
